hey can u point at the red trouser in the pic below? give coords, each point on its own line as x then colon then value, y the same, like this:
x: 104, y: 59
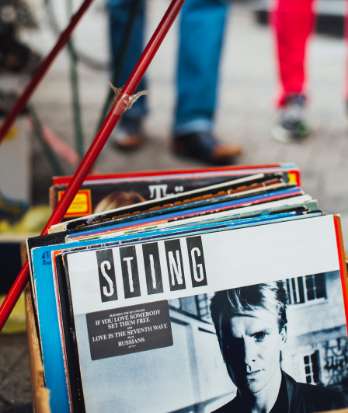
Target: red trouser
x: 293, y: 22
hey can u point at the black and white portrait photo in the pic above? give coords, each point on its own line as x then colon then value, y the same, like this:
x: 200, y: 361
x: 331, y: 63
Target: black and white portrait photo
x: 252, y: 329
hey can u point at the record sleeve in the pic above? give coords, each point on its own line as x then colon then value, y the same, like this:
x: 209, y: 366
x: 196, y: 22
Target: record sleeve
x: 252, y: 183
x: 103, y: 192
x: 210, y: 322
x: 43, y: 270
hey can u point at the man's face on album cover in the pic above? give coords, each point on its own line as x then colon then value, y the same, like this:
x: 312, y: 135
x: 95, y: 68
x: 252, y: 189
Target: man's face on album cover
x: 251, y: 347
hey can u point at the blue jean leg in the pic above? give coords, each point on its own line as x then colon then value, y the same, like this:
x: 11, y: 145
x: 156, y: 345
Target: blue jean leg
x: 202, y: 28
x: 119, y: 11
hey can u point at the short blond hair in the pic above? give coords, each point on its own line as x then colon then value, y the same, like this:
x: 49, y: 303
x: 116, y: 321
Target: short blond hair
x: 269, y: 296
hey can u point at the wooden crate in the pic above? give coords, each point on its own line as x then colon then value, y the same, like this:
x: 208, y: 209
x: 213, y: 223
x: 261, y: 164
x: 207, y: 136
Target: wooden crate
x: 40, y: 392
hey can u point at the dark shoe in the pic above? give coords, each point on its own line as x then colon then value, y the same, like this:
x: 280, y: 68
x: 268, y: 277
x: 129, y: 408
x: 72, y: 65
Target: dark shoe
x: 128, y: 136
x: 204, y: 147
x: 128, y: 143
x: 292, y: 126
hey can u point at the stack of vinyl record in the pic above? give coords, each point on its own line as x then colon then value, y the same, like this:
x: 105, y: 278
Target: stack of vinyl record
x: 215, y: 290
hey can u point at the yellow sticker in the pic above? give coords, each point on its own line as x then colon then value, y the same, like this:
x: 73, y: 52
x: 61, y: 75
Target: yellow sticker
x: 293, y: 178
x: 81, y: 204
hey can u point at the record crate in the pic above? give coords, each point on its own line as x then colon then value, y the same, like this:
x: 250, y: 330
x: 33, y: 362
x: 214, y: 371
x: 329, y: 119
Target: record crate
x: 40, y: 394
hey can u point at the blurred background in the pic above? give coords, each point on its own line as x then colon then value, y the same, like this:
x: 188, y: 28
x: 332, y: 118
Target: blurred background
x: 62, y: 118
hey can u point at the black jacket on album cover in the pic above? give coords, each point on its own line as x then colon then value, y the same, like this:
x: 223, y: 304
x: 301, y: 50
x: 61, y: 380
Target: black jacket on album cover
x: 295, y: 397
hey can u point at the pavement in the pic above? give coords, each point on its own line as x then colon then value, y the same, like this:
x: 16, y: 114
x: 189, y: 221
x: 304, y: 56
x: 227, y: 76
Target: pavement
x: 245, y: 115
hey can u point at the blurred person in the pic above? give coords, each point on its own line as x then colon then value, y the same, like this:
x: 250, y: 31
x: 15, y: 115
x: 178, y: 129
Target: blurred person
x: 293, y: 22
x: 251, y: 327
x: 201, y: 33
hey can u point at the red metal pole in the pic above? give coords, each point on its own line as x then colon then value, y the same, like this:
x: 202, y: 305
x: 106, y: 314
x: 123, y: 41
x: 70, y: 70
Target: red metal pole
x: 119, y: 106
x: 43, y: 68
